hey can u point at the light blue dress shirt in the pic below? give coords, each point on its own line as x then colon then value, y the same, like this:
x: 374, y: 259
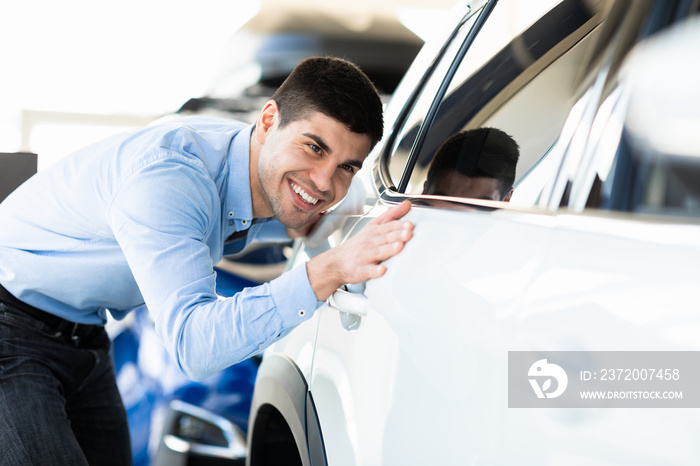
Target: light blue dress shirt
x: 142, y: 218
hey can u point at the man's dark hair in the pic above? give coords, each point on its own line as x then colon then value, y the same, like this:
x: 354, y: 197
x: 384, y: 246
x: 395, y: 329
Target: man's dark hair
x: 478, y: 153
x: 335, y: 87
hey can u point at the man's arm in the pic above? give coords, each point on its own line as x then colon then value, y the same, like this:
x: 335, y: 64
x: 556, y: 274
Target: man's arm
x: 360, y: 258
x: 161, y: 217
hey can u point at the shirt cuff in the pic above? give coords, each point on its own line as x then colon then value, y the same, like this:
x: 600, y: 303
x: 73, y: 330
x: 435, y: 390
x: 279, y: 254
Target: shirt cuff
x: 293, y: 296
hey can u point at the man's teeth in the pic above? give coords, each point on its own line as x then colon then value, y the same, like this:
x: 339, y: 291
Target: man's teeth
x: 303, y: 195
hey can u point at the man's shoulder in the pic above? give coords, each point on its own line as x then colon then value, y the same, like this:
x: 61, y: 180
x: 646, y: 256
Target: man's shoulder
x: 203, y: 137
x: 201, y: 140
x: 198, y: 123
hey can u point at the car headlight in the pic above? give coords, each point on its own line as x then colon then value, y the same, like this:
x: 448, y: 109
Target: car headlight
x: 193, y: 431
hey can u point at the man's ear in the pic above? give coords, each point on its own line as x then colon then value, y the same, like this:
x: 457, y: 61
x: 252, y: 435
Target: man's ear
x: 508, y: 196
x: 266, y: 121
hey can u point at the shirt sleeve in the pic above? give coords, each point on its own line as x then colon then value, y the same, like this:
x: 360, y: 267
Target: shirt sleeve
x: 161, y: 216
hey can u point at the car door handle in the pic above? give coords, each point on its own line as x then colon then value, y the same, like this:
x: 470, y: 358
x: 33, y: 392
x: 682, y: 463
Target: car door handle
x: 355, y: 304
x: 352, y: 307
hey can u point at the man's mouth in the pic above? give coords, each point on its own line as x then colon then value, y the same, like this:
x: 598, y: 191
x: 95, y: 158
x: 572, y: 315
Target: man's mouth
x: 303, y: 194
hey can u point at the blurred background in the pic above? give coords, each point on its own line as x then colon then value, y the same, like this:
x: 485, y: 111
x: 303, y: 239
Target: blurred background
x: 79, y: 70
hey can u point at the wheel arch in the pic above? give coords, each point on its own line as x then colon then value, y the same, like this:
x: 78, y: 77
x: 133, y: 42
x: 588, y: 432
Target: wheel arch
x: 283, y: 417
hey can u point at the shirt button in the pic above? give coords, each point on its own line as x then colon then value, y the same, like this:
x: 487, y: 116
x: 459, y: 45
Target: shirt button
x: 244, y: 222
x: 302, y: 313
x: 260, y: 346
x: 230, y: 214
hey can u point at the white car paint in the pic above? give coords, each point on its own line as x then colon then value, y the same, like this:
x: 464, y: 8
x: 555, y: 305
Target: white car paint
x: 423, y: 379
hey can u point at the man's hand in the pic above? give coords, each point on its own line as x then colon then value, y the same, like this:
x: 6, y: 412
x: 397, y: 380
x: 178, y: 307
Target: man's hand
x: 360, y: 258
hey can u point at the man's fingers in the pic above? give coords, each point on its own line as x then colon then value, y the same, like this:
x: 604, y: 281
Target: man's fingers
x: 373, y: 271
x: 389, y: 227
x: 394, y: 213
x: 383, y: 238
x: 390, y: 232
x: 387, y: 251
x: 377, y: 271
x: 378, y: 253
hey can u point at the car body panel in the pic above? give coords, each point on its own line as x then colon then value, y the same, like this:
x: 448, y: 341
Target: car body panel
x: 413, y: 369
x: 572, y: 285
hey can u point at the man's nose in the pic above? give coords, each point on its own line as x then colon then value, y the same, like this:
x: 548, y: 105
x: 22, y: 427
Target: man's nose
x: 322, y: 176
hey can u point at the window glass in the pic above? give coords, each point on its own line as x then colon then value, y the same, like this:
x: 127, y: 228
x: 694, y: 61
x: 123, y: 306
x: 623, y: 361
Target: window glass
x: 598, y: 127
x: 622, y: 170
x: 652, y: 183
x: 508, y: 100
x: 626, y: 173
x: 408, y: 133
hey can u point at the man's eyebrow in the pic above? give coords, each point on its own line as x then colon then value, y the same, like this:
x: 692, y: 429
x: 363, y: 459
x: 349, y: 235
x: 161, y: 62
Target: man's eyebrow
x: 319, y: 140
x: 355, y: 163
x: 322, y: 144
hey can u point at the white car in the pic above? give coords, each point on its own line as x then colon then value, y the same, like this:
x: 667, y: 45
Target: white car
x: 598, y: 250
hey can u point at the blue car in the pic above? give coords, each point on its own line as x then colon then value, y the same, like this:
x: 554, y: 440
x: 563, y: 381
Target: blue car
x: 173, y: 420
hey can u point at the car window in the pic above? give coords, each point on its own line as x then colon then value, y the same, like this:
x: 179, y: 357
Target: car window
x: 516, y: 84
x: 412, y: 123
x: 616, y: 170
x: 657, y: 184
x: 624, y: 172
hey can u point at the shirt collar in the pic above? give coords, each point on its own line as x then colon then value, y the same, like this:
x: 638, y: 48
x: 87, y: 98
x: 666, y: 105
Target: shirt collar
x: 238, y: 211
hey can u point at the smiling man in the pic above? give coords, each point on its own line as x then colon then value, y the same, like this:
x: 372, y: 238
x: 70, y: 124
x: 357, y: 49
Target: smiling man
x: 141, y: 218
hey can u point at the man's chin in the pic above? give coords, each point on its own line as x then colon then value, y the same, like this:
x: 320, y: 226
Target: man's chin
x: 296, y: 221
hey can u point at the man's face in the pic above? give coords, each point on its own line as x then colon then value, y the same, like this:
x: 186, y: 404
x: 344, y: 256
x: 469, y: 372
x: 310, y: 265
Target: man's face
x: 456, y: 184
x: 306, y: 166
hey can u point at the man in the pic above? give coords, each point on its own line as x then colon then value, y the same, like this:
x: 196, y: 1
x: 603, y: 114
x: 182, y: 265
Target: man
x: 143, y: 218
x: 478, y: 163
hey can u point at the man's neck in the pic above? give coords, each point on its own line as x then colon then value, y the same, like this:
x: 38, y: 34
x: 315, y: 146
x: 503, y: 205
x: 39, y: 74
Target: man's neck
x: 260, y: 207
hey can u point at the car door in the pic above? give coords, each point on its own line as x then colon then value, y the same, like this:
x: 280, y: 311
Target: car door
x: 621, y: 268
x: 411, y: 368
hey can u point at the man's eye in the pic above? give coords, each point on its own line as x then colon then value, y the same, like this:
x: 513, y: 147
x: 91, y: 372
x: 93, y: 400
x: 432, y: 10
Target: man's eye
x: 347, y: 168
x: 315, y: 148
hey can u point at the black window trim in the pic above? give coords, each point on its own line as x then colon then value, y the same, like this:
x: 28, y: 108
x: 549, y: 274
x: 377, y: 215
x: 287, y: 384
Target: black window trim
x: 440, y: 94
x: 382, y: 178
x: 388, y: 191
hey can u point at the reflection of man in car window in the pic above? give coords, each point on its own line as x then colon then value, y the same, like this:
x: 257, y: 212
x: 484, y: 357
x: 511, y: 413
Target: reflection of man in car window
x: 478, y: 163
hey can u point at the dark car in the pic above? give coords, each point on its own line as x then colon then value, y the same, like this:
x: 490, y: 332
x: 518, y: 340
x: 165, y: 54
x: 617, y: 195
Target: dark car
x: 266, y: 49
